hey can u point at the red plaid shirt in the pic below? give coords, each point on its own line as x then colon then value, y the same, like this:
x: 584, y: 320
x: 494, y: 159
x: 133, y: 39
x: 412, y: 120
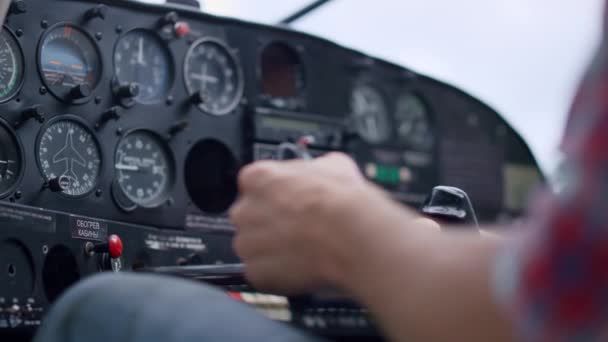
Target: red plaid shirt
x: 556, y: 281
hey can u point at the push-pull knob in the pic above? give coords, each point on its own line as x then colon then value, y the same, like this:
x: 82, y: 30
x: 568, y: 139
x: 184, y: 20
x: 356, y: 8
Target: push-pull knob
x: 128, y: 90
x: 450, y: 205
x: 199, y: 97
x: 126, y: 93
x: 58, y: 184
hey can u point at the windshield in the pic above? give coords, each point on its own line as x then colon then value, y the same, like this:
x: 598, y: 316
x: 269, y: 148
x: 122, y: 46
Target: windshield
x: 522, y: 57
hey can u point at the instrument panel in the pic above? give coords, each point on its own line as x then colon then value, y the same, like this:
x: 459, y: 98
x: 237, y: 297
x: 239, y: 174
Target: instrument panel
x: 144, y: 114
x: 118, y: 117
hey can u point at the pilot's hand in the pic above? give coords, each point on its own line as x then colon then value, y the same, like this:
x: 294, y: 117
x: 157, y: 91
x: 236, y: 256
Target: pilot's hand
x: 299, y: 222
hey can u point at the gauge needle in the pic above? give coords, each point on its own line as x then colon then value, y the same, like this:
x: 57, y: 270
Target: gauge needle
x: 123, y: 167
x: 204, y: 78
x: 140, y: 54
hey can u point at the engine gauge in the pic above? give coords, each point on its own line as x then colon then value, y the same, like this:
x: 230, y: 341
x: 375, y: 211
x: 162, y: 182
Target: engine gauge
x: 370, y: 114
x: 69, y: 62
x: 413, y: 125
x: 68, y: 151
x: 11, y: 65
x: 144, y: 168
x: 11, y: 159
x: 211, y: 68
x: 141, y: 57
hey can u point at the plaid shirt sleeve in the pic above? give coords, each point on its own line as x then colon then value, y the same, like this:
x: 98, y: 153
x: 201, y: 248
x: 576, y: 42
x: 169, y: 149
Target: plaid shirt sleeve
x: 555, y: 280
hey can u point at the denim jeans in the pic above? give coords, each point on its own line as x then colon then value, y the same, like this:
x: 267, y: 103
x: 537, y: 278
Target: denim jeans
x: 145, y: 308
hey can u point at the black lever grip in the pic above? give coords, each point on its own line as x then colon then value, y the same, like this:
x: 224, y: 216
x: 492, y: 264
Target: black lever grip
x: 450, y: 205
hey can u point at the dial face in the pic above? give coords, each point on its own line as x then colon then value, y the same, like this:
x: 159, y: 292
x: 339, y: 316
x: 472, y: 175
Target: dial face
x: 11, y: 65
x: 11, y: 162
x: 370, y: 114
x: 67, y: 150
x: 213, y: 70
x: 144, y: 168
x: 413, y: 126
x: 141, y: 57
x: 68, y: 58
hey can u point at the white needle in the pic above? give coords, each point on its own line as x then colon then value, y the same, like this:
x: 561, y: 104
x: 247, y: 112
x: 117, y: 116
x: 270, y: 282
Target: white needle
x: 123, y: 167
x: 140, y: 55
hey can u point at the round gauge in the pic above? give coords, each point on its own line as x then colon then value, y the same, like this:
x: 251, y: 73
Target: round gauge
x: 11, y: 65
x: 144, y: 168
x: 67, y: 151
x: 413, y: 126
x: 69, y: 62
x: 141, y: 57
x: 11, y: 162
x: 370, y: 114
x: 212, y: 69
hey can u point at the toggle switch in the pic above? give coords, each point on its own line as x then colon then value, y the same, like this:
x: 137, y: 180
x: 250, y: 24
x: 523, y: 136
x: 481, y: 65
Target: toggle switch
x: 35, y: 112
x: 110, y: 252
x: 178, y: 127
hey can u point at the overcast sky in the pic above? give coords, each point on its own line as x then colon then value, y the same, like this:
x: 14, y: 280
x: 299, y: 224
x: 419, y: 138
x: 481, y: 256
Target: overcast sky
x: 522, y: 57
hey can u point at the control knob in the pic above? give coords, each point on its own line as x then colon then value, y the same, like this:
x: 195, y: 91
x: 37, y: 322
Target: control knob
x: 126, y: 93
x: 80, y: 91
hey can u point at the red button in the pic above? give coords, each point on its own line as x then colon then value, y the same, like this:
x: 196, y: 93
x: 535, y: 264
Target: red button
x: 115, y: 246
x: 182, y: 29
x: 236, y: 295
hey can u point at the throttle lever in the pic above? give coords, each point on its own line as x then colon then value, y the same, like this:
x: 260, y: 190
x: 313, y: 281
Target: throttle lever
x: 450, y: 205
x: 299, y: 150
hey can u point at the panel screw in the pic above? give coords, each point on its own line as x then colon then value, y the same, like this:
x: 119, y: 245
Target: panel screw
x: 18, y: 195
x: 19, y: 32
x: 45, y: 249
x: 169, y: 100
x: 97, y: 99
x: 118, y: 29
x: 99, y: 192
x: 98, y: 35
x: 43, y: 90
x: 44, y: 24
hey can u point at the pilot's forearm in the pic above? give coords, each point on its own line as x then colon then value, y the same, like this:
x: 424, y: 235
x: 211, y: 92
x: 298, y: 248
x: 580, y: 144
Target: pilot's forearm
x: 425, y: 286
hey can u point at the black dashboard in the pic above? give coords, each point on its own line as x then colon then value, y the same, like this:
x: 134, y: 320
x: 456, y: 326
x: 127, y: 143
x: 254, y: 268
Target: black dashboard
x: 142, y: 115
